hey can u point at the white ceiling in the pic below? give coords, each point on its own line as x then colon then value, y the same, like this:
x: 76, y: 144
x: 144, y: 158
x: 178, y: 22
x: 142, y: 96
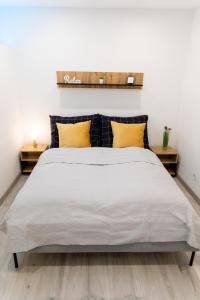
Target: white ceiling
x: 167, y: 4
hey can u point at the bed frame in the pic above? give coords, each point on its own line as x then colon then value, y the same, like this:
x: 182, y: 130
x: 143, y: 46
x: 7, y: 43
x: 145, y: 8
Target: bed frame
x: 135, y: 248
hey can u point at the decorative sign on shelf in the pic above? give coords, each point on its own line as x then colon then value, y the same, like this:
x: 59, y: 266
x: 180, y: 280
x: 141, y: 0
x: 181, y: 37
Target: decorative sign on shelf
x: 118, y: 80
x: 68, y: 79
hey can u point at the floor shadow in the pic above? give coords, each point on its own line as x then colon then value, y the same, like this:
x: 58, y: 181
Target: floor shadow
x: 29, y: 262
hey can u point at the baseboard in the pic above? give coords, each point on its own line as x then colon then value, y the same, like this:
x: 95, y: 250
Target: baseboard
x: 192, y: 193
x: 2, y: 198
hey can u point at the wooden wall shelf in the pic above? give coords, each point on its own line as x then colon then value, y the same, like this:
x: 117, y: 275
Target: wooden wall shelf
x: 99, y: 86
x: 112, y: 80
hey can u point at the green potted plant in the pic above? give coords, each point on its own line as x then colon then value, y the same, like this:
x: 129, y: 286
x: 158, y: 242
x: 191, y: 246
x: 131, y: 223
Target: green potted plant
x: 166, y: 134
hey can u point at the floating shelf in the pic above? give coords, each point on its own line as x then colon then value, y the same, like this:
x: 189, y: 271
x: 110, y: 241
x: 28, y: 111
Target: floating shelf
x: 112, y: 80
x: 99, y: 86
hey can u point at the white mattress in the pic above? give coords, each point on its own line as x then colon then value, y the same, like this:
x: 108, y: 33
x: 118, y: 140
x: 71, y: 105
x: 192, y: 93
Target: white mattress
x: 99, y: 196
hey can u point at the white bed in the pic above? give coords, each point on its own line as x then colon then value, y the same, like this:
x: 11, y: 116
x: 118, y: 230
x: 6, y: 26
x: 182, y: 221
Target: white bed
x: 100, y: 197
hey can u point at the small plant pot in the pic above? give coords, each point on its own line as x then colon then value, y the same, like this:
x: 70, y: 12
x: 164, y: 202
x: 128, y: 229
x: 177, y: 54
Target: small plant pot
x: 101, y: 81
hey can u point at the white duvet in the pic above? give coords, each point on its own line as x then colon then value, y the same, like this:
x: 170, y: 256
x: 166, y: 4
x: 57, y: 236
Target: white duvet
x: 99, y: 196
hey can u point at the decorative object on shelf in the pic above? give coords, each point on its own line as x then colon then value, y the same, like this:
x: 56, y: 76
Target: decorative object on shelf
x: 109, y: 80
x: 130, y: 79
x: 68, y: 80
x: 166, y: 137
x: 101, y: 80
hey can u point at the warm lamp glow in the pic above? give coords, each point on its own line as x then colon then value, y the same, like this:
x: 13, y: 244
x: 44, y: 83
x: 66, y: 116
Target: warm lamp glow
x: 34, y: 139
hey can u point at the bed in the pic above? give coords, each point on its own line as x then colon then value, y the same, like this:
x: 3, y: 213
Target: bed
x: 101, y: 199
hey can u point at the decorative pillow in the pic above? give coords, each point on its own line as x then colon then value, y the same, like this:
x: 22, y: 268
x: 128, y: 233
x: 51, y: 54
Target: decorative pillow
x: 95, y: 138
x: 74, y: 135
x: 128, y: 135
x: 106, y: 129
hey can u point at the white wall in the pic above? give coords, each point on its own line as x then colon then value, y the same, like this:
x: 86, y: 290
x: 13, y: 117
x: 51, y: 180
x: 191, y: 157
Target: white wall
x: 153, y: 42
x: 10, y: 127
x: 189, y: 117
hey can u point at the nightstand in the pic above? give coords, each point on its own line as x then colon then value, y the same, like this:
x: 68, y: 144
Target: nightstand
x: 169, y: 158
x: 29, y: 156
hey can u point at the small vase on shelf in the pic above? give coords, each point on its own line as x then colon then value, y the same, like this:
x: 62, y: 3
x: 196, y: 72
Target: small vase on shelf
x: 166, y: 135
x: 101, y: 80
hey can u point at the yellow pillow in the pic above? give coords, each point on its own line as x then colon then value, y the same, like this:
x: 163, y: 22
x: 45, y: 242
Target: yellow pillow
x: 74, y: 135
x: 128, y: 135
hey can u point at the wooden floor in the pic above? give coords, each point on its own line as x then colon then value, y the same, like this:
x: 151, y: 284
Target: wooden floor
x: 98, y: 276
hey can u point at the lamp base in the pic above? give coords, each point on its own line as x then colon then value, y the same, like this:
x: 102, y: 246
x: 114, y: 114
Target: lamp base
x: 34, y: 144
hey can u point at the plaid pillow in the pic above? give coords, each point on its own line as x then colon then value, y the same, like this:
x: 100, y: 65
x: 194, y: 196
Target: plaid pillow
x: 106, y: 129
x: 95, y: 138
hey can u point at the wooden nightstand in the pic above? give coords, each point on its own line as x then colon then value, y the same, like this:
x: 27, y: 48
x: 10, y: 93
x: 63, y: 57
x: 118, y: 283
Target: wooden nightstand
x: 29, y: 156
x: 169, y: 158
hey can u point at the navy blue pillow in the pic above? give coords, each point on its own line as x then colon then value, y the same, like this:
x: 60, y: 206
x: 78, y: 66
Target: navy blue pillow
x: 95, y: 134
x: 106, y: 129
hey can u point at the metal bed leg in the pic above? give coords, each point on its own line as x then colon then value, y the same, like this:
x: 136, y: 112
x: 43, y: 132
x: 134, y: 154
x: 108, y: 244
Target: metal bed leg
x: 15, y: 260
x: 192, y: 259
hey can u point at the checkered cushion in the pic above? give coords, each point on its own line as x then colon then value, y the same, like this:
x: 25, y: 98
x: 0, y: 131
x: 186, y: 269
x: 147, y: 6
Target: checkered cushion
x: 106, y: 129
x: 94, y: 130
